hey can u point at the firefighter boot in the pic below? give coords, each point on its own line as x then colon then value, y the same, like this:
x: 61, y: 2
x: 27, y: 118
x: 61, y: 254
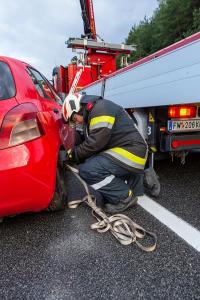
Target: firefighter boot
x: 122, y: 205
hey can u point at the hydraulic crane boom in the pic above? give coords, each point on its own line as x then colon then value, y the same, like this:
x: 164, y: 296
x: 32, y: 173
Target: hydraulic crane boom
x: 88, y: 19
x: 89, y: 41
x: 96, y: 57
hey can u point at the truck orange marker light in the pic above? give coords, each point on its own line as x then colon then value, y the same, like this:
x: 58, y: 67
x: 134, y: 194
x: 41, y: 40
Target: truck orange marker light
x: 182, y: 111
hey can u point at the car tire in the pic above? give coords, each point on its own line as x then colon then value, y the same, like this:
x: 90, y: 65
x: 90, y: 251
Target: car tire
x: 60, y: 196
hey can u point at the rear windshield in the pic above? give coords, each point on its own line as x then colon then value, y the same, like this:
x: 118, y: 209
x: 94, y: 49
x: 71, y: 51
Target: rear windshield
x: 7, y: 85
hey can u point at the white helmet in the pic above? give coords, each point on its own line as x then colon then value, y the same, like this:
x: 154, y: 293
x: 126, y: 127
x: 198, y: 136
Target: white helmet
x: 70, y: 105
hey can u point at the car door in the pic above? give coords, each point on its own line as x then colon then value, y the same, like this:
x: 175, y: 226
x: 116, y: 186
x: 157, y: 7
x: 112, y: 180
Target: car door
x: 59, y: 133
x: 51, y: 104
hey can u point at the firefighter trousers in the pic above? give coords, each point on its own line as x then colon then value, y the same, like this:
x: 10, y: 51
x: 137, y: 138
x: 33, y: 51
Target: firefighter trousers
x: 111, y: 180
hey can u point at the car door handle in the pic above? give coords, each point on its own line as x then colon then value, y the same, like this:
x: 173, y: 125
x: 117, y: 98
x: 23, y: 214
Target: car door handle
x: 55, y: 110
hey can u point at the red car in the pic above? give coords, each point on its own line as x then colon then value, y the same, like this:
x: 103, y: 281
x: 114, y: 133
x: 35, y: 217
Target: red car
x: 32, y: 134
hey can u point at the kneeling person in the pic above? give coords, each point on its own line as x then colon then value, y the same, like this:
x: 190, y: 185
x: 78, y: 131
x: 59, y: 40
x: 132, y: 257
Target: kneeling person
x: 113, y: 154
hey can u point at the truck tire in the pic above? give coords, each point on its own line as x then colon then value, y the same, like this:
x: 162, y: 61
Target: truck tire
x: 60, y: 196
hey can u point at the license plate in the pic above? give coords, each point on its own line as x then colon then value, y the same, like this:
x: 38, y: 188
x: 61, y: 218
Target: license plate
x: 184, y: 125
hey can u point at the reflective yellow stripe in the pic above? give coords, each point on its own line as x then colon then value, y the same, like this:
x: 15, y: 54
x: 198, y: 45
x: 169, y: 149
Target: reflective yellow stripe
x: 130, y: 156
x: 102, y: 119
x: 153, y: 149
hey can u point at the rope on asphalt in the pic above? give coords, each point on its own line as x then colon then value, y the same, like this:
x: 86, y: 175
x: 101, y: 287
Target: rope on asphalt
x: 125, y: 230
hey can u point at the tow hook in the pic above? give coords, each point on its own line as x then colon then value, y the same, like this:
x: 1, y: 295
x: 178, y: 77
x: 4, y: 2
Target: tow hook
x: 181, y: 154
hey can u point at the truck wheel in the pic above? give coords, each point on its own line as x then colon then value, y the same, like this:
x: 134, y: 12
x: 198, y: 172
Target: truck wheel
x: 60, y: 196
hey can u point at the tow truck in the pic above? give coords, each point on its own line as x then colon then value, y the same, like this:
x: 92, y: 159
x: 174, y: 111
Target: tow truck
x: 160, y: 92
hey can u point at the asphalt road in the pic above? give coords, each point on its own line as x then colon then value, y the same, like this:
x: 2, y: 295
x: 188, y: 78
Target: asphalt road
x: 58, y: 256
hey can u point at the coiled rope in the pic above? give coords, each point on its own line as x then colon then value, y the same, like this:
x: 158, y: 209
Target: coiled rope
x: 122, y: 227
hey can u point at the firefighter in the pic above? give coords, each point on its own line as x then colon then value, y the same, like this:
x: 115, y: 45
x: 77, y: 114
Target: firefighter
x: 113, y: 154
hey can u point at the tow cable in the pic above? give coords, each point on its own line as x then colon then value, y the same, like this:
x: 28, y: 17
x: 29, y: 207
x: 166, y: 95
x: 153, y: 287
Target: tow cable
x: 122, y: 227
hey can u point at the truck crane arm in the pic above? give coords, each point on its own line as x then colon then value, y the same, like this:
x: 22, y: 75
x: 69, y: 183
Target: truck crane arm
x: 88, y: 19
x: 97, y: 58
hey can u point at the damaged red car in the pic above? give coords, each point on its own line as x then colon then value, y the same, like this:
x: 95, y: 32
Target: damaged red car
x: 32, y: 134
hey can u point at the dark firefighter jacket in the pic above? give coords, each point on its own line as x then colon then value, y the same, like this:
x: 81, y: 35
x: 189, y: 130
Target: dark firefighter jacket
x: 112, y: 133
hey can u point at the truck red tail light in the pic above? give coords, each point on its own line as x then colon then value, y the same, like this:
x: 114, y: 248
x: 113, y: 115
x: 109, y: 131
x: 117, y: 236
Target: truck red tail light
x: 182, y: 111
x: 184, y: 143
x: 20, y: 125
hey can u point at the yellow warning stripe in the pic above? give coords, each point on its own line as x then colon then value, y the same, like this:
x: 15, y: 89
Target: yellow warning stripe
x: 102, y: 119
x: 132, y: 157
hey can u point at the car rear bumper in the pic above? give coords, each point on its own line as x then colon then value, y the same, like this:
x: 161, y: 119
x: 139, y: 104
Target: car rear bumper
x: 27, y: 179
x: 179, y: 142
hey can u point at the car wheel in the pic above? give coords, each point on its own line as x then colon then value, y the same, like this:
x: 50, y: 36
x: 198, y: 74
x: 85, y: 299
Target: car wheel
x: 60, y: 196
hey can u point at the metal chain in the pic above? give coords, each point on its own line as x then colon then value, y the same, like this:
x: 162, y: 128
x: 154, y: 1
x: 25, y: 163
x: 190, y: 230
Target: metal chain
x: 122, y: 227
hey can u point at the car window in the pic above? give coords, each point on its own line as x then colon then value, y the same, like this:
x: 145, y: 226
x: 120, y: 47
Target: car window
x: 58, y: 99
x: 41, y: 84
x: 37, y: 84
x: 7, y: 85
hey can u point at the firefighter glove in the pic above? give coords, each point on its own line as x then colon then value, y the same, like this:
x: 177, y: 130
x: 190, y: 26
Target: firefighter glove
x: 70, y: 155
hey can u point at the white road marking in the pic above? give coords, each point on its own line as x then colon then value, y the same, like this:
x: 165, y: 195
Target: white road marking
x: 187, y: 232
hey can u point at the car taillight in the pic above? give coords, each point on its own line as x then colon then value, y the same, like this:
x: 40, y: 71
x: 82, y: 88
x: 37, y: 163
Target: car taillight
x: 64, y: 112
x: 182, y: 111
x: 20, y: 125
